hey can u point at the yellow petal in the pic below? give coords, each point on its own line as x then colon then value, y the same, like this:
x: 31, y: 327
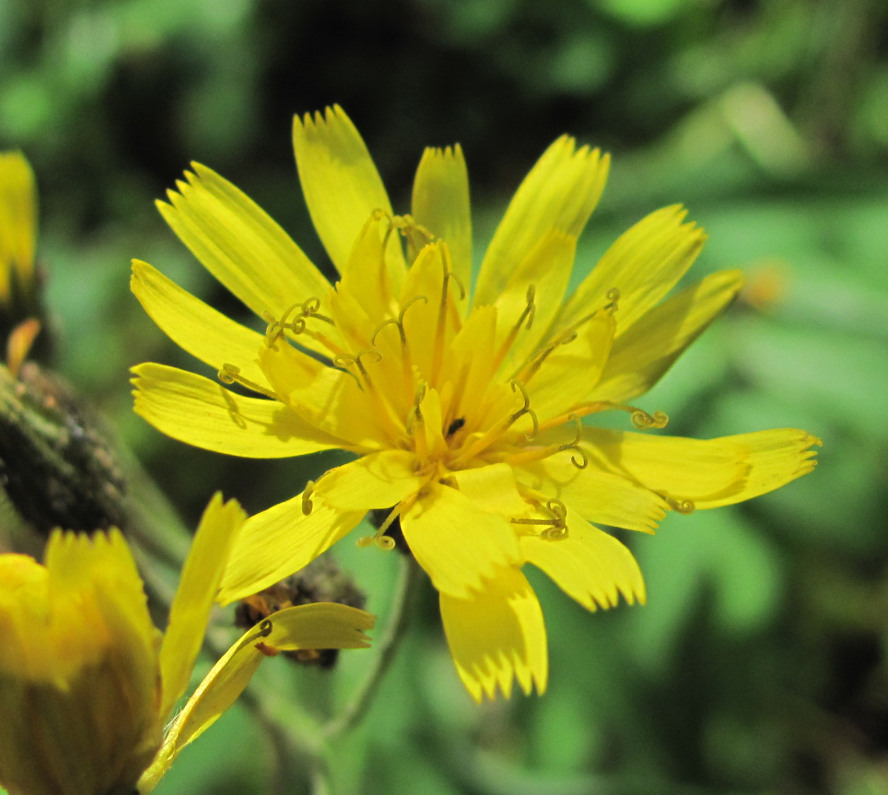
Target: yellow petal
x: 240, y: 244
x: 279, y: 541
x: 97, y: 576
x: 596, y: 494
x: 18, y: 221
x: 194, y: 326
x: 197, y: 411
x: 560, y: 192
x: 327, y: 398
x: 587, y: 564
x: 441, y: 205
x: 491, y: 488
x: 568, y: 373
x: 539, y: 280
x: 198, y: 585
x: 458, y: 545
x: 708, y: 473
x: 321, y: 625
x: 498, y: 635
x: 642, y: 355
x: 643, y: 264
x: 430, y: 330
x: 377, y: 480
x: 367, y: 278
x: 341, y: 185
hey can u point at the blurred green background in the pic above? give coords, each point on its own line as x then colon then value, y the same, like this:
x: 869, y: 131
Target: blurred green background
x: 759, y: 663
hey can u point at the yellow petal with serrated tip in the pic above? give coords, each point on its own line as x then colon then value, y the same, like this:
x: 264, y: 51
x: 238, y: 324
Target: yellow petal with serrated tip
x: 708, y: 472
x: 194, y: 326
x: 588, y: 564
x: 195, y: 596
x: 240, y: 244
x: 498, y: 635
x: 641, y: 356
x: 341, y: 185
x: 441, y: 204
x: 203, y: 413
x: 458, y: 545
x: 560, y: 193
x: 643, y: 264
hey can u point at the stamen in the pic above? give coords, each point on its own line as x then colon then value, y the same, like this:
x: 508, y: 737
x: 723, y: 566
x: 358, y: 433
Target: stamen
x: 379, y: 538
x: 462, y: 289
x: 642, y: 420
x: 526, y: 315
x: 680, y: 504
x: 298, y: 325
x: 583, y: 462
x: 230, y: 374
x: 556, y: 525
x: 416, y: 424
x: 517, y: 386
x: 307, y: 504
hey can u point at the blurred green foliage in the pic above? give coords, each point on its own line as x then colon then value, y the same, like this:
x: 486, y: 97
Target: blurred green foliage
x: 759, y: 664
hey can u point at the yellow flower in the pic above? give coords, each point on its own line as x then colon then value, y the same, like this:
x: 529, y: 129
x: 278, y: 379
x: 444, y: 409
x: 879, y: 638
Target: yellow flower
x: 465, y: 415
x: 18, y: 226
x: 86, y: 681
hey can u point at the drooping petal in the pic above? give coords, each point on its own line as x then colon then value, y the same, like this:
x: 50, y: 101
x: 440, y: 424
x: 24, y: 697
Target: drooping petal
x: 194, y: 326
x: 314, y: 626
x: 643, y: 354
x: 340, y: 182
x: 240, y: 244
x: 458, y: 545
x: 644, y: 264
x: 281, y: 540
x: 588, y: 564
x: 560, y: 192
x: 195, y: 596
x: 197, y: 411
x: 377, y: 480
x: 708, y: 473
x: 498, y: 635
x: 441, y: 204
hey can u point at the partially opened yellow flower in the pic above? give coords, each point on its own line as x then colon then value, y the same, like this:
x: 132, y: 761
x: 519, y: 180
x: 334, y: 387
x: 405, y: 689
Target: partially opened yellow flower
x: 87, y: 683
x: 466, y: 414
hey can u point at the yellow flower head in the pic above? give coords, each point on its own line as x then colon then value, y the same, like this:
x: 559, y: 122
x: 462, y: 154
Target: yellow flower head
x: 466, y: 414
x: 86, y: 681
x: 18, y: 225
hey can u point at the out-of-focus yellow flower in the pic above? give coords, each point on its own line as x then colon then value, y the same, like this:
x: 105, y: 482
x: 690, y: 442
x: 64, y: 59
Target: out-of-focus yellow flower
x: 466, y: 414
x: 18, y: 226
x: 87, y: 682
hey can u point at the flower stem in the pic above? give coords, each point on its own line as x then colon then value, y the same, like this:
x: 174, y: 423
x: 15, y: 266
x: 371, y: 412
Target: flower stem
x: 408, y: 580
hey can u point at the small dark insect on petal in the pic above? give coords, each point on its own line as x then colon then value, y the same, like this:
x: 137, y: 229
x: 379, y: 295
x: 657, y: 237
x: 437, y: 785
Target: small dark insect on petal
x: 455, y: 426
